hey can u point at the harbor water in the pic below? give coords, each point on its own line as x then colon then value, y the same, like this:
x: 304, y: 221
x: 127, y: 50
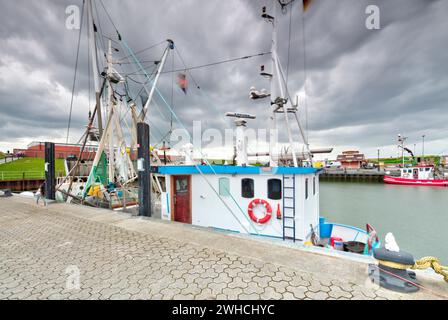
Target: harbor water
x: 417, y: 216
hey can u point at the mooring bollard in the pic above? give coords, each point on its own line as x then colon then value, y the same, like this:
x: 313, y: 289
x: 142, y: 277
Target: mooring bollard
x: 392, y: 271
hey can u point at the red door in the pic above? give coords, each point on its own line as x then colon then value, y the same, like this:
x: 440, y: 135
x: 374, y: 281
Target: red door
x: 415, y: 173
x: 181, y: 198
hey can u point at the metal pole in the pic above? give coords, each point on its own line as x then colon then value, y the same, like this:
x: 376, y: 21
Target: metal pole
x: 423, y: 147
x: 143, y: 165
x: 50, y: 179
x: 273, y: 134
x: 94, y: 59
x: 378, y: 159
x: 169, y: 47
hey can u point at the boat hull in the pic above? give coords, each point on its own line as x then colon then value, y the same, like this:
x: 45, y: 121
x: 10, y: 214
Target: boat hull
x: 416, y: 182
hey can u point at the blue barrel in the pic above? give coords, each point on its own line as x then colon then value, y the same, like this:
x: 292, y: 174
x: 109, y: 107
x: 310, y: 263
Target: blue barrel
x: 325, y: 230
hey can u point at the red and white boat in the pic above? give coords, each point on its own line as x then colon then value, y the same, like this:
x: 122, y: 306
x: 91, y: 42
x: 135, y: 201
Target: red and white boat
x: 417, y: 176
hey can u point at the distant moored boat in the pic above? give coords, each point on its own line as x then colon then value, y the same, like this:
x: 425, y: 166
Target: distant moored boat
x: 417, y: 176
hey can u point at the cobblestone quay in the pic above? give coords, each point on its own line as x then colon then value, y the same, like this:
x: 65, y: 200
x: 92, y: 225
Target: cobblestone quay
x: 71, y: 252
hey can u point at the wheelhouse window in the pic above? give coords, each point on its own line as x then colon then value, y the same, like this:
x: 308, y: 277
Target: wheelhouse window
x: 224, y: 187
x: 306, y: 188
x: 247, y: 188
x: 314, y: 186
x: 274, y: 189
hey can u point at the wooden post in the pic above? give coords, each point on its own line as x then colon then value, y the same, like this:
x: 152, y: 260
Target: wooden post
x: 143, y: 164
x: 50, y: 180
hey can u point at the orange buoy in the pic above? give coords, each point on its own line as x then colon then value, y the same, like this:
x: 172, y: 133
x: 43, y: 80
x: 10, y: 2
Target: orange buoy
x: 268, y: 211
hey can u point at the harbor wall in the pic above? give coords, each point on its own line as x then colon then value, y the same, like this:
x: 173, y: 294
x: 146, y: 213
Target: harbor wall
x: 352, y: 176
x: 21, y: 185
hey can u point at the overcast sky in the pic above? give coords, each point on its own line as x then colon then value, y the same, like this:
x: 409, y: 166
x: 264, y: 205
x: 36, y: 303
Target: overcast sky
x: 364, y: 86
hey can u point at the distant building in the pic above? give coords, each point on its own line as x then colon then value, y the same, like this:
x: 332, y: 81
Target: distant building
x: 351, y: 159
x: 61, y: 150
x: 444, y: 160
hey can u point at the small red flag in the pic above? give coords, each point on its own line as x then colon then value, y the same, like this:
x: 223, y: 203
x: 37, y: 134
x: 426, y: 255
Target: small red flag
x: 306, y: 4
x: 182, y: 82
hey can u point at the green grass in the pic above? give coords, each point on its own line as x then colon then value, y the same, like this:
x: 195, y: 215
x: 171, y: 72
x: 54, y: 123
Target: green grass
x: 30, y: 168
x: 395, y: 161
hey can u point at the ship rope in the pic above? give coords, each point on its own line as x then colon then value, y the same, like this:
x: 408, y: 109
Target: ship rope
x: 205, y: 65
x: 434, y: 263
x: 76, y: 72
x: 388, y: 263
x: 423, y: 263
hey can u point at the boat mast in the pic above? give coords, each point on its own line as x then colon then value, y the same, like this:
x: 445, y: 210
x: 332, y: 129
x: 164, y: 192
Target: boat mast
x: 279, y: 99
x: 273, y: 134
x: 94, y: 58
x: 109, y: 108
x: 170, y: 46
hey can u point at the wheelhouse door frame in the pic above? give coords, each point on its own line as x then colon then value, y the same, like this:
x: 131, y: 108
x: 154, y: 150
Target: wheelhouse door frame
x: 173, y: 191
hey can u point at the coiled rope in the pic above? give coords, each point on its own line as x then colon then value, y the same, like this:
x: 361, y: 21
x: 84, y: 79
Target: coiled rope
x: 423, y: 263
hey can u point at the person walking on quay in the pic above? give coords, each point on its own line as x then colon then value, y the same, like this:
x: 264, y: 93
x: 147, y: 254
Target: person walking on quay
x: 41, y: 194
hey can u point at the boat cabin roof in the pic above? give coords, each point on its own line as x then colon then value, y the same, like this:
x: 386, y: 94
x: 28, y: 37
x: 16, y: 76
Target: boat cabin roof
x: 431, y: 167
x: 216, y: 169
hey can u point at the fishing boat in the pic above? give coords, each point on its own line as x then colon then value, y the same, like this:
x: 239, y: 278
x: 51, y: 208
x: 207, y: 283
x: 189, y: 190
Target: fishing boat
x: 417, y: 176
x: 278, y: 200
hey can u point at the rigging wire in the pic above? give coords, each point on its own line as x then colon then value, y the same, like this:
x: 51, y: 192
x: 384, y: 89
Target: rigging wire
x: 144, y: 61
x: 189, y: 69
x: 289, y: 44
x: 76, y: 73
x: 103, y: 46
x: 143, y: 50
x: 206, y: 65
x: 110, y: 19
x: 88, y: 69
x: 305, y: 74
x: 172, y: 91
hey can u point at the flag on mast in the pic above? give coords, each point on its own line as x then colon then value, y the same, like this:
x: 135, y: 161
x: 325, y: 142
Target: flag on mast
x: 306, y: 4
x: 182, y: 82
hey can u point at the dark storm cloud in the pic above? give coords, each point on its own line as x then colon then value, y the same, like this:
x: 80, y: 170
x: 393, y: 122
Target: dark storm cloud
x: 364, y: 86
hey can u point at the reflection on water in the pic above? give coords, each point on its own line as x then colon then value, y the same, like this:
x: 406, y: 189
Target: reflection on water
x: 417, y: 216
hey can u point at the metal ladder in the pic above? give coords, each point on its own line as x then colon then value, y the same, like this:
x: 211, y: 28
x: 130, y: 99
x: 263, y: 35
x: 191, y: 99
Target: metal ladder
x: 289, y: 207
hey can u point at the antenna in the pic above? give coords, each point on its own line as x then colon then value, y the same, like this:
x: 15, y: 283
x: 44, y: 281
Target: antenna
x: 265, y: 16
x: 240, y: 115
x: 240, y: 147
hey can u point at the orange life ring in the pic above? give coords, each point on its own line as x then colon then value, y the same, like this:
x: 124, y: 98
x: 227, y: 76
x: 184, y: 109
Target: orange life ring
x: 267, y: 215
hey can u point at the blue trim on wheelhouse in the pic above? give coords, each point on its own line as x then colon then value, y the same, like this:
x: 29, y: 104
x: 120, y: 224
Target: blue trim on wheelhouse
x: 205, y: 169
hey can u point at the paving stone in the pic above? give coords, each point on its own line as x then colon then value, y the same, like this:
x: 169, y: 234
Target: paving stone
x: 288, y: 296
x: 253, y: 288
x: 231, y: 293
x: 316, y: 295
x: 252, y: 296
x: 279, y: 286
x: 337, y: 293
x: 206, y: 294
x: 298, y: 292
x: 270, y: 294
